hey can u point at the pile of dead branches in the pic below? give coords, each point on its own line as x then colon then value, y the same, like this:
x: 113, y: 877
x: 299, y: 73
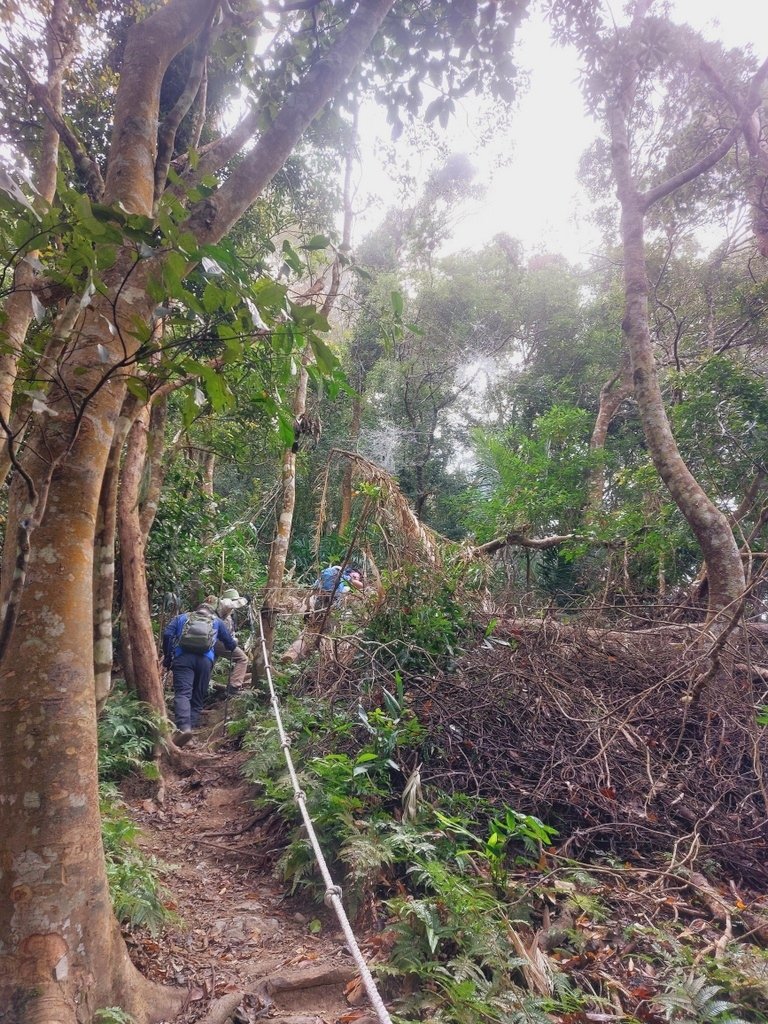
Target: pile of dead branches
x: 591, y: 732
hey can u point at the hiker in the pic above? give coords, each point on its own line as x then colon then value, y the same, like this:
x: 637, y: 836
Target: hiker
x: 229, y: 602
x: 326, y: 584
x: 189, y: 640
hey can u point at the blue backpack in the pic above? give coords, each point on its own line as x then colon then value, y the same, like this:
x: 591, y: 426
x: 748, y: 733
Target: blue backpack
x: 328, y: 578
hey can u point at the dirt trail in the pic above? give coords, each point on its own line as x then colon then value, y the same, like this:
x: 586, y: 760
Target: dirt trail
x: 238, y: 929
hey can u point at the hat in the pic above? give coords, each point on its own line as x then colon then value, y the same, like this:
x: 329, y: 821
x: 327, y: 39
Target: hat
x: 232, y: 599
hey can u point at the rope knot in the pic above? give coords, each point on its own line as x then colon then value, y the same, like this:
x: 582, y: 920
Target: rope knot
x: 330, y: 892
x: 299, y: 796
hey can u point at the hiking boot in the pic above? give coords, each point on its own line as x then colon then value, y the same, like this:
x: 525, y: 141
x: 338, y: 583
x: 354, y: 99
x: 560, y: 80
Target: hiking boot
x: 182, y: 737
x: 232, y: 691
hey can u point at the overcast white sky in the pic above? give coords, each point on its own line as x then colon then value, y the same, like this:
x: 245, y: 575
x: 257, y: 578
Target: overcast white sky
x: 535, y: 197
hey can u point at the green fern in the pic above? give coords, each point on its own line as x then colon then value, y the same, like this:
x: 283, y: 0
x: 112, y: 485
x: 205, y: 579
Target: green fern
x: 112, y: 1015
x: 137, y: 894
x: 693, y: 1001
x: 128, y: 731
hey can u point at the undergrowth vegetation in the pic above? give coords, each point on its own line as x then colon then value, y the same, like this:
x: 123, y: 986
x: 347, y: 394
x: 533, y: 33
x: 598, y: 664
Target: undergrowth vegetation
x: 423, y: 621
x: 127, y: 731
x: 477, y: 918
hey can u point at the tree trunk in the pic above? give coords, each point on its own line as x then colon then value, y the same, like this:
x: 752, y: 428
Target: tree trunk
x: 208, y: 465
x: 62, y: 956
x: 709, y: 524
x: 104, y: 558
x: 612, y: 394
x: 278, y: 552
x: 46, y: 369
x: 137, y: 620
x: 155, y: 465
x: 19, y: 306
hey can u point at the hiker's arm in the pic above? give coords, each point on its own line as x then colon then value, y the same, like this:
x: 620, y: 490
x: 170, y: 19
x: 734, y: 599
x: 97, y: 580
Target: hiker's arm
x: 169, y: 642
x: 226, y: 637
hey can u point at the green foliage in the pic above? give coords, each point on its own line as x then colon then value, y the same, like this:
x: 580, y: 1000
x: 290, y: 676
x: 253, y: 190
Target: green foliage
x: 693, y: 1001
x: 187, y: 542
x: 423, y: 620
x: 392, y: 727
x: 137, y: 894
x: 539, y: 479
x: 721, y: 420
x: 444, y: 878
x: 112, y: 1015
x: 127, y: 731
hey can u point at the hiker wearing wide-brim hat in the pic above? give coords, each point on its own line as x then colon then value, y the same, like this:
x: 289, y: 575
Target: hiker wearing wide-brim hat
x: 229, y: 602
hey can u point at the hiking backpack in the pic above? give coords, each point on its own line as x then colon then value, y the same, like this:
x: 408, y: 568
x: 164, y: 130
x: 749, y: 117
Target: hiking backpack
x: 199, y: 632
x: 328, y: 578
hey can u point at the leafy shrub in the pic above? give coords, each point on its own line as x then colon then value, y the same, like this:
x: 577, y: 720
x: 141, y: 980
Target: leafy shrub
x: 134, y: 885
x: 443, y: 878
x: 186, y: 543
x: 127, y: 731
x: 422, y: 622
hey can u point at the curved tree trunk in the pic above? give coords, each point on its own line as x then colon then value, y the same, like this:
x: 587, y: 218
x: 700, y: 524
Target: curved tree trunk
x: 709, y: 524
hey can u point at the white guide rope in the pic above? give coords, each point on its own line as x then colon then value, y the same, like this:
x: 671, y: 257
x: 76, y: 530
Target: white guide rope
x: 332, y: 891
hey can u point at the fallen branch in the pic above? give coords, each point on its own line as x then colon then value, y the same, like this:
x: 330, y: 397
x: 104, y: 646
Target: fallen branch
x: 522, y: 540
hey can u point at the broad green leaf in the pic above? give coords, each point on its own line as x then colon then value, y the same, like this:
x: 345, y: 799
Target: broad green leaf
x: 137, y: 388
x: 324, y: 357
x: 317, y: 242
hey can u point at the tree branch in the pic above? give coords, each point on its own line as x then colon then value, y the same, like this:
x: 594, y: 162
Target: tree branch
x: 709, y: 160
x: 84, y: 162
x: 151, y: 46
x: 517, y: 539
x: 212, y: 218
x: 166, y: 135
